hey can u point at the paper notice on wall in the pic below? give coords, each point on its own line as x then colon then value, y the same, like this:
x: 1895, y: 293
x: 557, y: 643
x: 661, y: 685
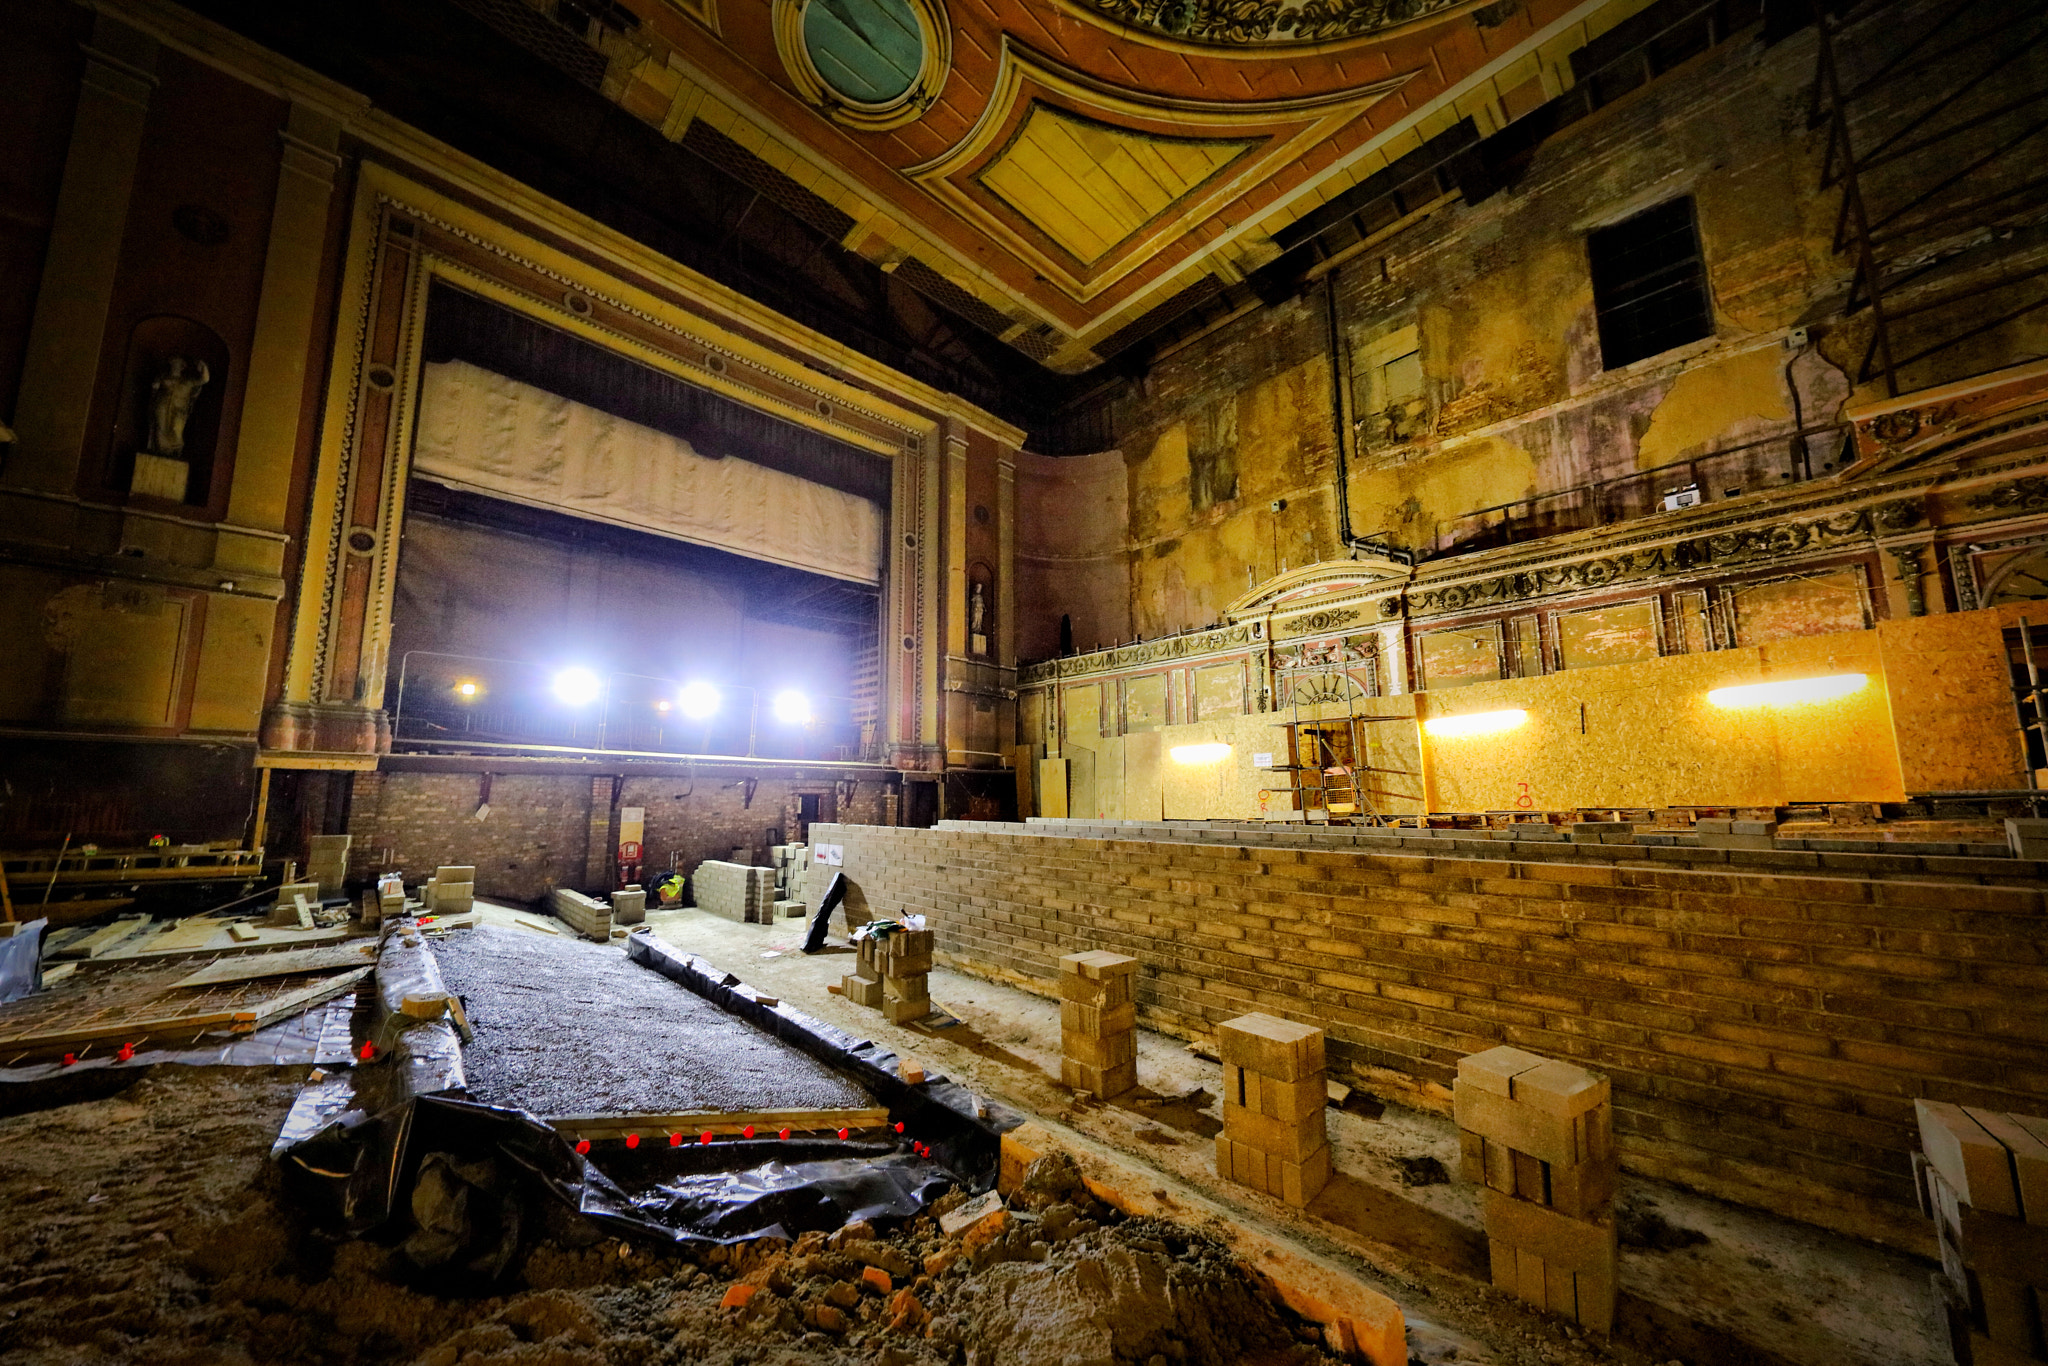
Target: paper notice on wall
x: 831, y: 855
x: 1262, y: 759
x: 632, y: 824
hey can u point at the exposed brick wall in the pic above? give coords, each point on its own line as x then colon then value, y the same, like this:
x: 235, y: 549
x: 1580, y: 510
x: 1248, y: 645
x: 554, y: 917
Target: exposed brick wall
x: 542, y: 827
x: 1766, y: 1034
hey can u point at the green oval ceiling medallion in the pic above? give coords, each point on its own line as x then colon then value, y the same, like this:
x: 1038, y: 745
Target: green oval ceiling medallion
x: 867, y: 52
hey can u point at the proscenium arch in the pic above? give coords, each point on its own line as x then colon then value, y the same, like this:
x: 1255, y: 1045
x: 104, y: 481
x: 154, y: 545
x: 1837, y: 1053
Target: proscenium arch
x: 403, y: 236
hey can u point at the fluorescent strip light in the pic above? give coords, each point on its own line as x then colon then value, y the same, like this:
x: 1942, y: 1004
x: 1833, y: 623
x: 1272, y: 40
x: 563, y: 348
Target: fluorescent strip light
x: 1199, y: 754
x: 1475, y: 723
x: 1789, y: 691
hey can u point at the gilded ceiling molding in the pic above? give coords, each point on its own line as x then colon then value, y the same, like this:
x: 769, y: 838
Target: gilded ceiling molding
x: 1271, y: 133
x: 1207, y: 27
x: 935, y: 32
x: 1267, y: 24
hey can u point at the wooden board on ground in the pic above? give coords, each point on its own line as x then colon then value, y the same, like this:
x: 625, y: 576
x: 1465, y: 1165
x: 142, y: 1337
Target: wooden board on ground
x: 527, y: 922
x: 246, y: 967
x: 227, y: 936
x: 766, y: 1123
x: 141, y: 1007
x: 97, y: 942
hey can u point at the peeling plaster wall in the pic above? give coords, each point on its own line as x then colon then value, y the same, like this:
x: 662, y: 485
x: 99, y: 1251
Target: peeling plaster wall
x: 1515, y: 405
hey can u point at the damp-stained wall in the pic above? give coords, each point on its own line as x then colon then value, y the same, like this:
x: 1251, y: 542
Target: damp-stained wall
x: 1071, y: 560
x: 1469, y: 354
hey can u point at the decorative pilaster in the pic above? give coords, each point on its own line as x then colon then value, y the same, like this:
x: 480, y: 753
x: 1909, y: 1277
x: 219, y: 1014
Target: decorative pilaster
x: 70, y: 322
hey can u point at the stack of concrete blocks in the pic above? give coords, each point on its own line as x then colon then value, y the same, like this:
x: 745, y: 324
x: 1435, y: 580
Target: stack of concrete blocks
x: 1540, y: 1134
x: 1274, y: 1090
x: 586, y: 915
x: 296, y: 902
x: 892, y: 972
x: 737, y: 891
x: 327, y: 863
x: 1719, y: 833
x: 1602, y: 832
x: 451, y: 890
x: 788, y: 896
x: 629, y: 905
x: 1098, y: 1023
x: 1983, y: 1176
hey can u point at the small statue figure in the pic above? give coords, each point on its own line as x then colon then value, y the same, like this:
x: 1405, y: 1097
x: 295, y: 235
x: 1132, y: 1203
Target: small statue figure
x: 171, y: 397
x: 977, y: 609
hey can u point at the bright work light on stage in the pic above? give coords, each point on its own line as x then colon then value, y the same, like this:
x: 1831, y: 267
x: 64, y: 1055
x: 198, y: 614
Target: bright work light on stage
x: 792, y: 708
x: 467, y: 690
x: 1199, y: 754
x: 1788, y: 691
x: 1475, y: 723
x: 577, y: 687
x: 698, y: 701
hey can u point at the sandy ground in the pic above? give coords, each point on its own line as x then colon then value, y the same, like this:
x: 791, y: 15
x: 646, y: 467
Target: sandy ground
x: 1800, y: 1294
x: 150, y: 1227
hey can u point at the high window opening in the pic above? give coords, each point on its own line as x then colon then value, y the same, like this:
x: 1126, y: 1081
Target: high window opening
x: 1649, y: 284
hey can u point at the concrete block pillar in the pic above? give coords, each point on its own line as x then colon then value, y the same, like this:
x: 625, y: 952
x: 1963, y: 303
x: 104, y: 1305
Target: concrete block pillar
x: 1539, y: 1134
x: 1098, y: 1023
x: 1274, y: 1088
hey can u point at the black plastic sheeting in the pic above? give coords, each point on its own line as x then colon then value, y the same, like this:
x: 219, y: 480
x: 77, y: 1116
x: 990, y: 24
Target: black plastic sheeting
x: 394, y: 1147
x: 21, y: 961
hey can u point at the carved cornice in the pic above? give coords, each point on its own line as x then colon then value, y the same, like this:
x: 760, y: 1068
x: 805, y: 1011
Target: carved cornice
x: 1246, y: 22
x: 2029, y: 494
x: 1192, y: 645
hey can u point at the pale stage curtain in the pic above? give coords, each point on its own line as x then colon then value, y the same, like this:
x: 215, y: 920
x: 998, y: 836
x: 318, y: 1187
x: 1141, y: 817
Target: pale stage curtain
x: 481, y: 431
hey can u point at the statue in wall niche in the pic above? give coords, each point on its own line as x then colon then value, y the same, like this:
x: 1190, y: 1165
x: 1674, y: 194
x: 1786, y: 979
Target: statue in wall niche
x: 977, y: 609
x: 171, y: 396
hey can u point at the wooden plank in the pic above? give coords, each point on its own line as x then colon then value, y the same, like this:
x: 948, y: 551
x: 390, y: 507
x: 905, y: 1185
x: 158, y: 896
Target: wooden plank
x: 289, y: 963
x: 527, y: 922
x: 103, y: 939
x: 304, y: 999
x: 720, y: 1122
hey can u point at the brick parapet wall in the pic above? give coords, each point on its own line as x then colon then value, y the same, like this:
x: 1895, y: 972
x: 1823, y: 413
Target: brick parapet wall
x: 1766, y: 1033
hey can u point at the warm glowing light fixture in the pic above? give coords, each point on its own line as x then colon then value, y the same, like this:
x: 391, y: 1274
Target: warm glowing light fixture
x: 792, y: 708
x: 1199, y: 754
x: 1787, y: 692
x: 1475, y: 722
x: 466, y: 689
x: 577, y: 687
x: 698, y: 701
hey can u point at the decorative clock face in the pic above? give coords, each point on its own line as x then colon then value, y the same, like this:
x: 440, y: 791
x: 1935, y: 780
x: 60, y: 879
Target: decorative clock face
x: 868, y: 52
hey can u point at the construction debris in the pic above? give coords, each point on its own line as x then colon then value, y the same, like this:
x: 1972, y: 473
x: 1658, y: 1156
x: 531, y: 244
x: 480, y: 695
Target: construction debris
x: 1983, y: 1177
x: 893, y: 970
x: 93, y: 943
x: 291, y: 962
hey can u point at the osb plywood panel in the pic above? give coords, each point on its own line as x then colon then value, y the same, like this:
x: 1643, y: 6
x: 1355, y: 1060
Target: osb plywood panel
x: 1952, y: 703
x: 1816, y: 605
x: 1052, y: 787
x: 1109, y: 769
x: 1142, y: 759
x: 1622, y: 634
x: 1454, y: 659
x: 1080, y: 781
x: 1145, y: 702
x: 1645, y: 734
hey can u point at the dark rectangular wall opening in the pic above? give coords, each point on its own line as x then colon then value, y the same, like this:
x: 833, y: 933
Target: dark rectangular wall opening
x: 1649, y: 284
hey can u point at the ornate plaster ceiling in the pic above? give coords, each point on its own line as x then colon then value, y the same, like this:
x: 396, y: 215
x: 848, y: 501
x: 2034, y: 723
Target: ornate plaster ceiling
x: 1061, y: 168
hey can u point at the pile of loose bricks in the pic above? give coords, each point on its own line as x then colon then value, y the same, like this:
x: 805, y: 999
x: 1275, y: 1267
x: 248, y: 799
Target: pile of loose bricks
x: 1539, y: 1134
x: 1274, y: 1089
x: 736, y: 891
x: 1098, y: 1023
x: 893, y: 972
x: 791, y: 863
x: 1983, y: 1177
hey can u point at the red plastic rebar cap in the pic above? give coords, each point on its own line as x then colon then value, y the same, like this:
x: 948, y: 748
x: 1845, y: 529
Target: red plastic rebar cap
x: 783, y: 1134
x: 582, y: 1145
x: 675, y: 1140
x: 369, y: 1052
x: 899, y: 1126
x: 704, y: 1137
x: 632, y: 1140
x: 69, y: 1059
x: 749, y: 1131
x: 844, y: 1132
